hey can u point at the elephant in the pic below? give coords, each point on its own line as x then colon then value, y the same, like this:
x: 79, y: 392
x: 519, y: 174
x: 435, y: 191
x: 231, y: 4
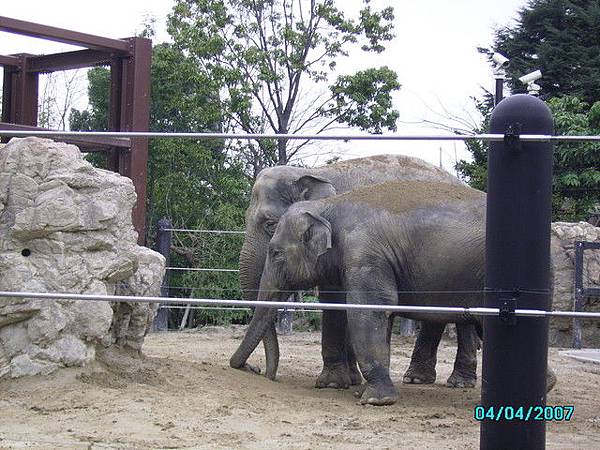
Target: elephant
x: 380, y: 249
x: 275, y: 190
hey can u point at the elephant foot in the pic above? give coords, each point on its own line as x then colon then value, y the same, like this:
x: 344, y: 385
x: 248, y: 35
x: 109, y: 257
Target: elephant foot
x: 461, y: 380
x: 419, y: 375
x: 379, y: 395
x: 250, y: 368
x: 334, y: 377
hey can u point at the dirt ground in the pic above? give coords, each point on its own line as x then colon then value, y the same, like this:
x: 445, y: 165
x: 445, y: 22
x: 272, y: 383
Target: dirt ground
x: 184, y: 395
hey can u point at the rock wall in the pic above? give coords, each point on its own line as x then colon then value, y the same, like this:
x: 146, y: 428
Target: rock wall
x: 66, y: 227
x: 563, y: 263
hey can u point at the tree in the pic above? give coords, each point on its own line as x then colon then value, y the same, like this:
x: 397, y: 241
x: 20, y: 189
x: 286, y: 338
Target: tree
x: 559, y: 37
x: 272, y: 61
x: 576, y: 187
x: 475, y: 171
x: 576, y: 177
x: 60, y: 90
x: 198, y: 184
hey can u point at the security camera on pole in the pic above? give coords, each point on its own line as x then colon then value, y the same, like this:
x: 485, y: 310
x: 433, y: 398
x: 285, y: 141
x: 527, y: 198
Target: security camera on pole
x: 530, y: 79
x: 500, y: 63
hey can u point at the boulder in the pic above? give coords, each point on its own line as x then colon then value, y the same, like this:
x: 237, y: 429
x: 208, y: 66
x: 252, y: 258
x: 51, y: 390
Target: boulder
x: 564, y: 235
x: 66, y: 226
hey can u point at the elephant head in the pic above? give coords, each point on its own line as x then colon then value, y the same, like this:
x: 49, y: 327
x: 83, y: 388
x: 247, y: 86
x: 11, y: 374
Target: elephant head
x: 292, y: 263
x: 274, y: 191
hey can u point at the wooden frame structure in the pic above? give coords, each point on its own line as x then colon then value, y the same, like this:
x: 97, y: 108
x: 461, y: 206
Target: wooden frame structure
x: 129, y: 60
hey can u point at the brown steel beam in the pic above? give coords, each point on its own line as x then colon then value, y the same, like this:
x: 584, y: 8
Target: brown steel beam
x: 100, y: 143
x: 69, y: 60
x: 135, y: 116
x: 60, y: 35
x: 114, y: 116
x: 9, y: 61
x: 26, y: 94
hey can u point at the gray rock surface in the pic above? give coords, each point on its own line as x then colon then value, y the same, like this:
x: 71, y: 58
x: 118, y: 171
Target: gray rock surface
x: 65, y: 226
x: 564, y: 236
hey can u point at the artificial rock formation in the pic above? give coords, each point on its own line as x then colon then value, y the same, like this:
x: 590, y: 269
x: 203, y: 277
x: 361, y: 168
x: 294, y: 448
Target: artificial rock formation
x: 562, y: 249
x: 65, y: 226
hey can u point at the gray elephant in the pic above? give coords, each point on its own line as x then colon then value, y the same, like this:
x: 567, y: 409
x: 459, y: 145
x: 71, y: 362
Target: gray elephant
x: 274, y: 191
x: 430, y: 237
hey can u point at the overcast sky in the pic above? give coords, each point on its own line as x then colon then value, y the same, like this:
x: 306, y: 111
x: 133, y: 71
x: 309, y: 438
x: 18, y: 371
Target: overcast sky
x: 434, y: 53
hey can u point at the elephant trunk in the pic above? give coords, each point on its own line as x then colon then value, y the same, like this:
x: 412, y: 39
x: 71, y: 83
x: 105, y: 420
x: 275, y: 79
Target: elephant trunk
x: 252, y: 261
x: 259, y: 325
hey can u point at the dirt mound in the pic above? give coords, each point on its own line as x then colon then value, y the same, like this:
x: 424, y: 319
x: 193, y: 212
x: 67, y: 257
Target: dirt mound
x: 117, y: 369
x: 183, y: 394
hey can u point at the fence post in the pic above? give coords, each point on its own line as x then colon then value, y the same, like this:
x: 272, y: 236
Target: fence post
x: 163, y: 246
x: 285, y: 318
x: 578, y: 296
x: 515, y: 350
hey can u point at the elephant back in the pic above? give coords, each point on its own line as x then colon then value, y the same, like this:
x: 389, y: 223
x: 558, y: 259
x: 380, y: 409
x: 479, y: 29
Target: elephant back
x: 355, y: 173
x: 402, y: 196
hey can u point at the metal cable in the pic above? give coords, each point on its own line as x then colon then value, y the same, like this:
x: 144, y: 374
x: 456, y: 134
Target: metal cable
x: 381, y: 291
x: 474, y: 311
x: 204, y: 231
x: 331, y: 137
x: 195, y: 269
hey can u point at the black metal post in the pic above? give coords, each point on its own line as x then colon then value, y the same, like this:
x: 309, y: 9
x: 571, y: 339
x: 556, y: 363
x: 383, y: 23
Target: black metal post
x: 578, y: 295
x: 515, y: 350
x: 163, y: 246
x: 499, y: 90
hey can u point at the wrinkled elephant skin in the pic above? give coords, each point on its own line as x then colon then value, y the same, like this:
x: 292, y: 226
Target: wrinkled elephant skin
x: 431, y: 238
x: 274, y: 191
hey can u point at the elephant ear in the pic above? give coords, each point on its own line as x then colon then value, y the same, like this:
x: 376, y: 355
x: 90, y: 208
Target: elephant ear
x: 313, y: 187
x: 318, y: 234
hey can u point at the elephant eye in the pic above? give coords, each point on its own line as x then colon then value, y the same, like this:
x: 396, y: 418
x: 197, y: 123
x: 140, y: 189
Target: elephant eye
x: 270, y: 226
x: 307, y: 235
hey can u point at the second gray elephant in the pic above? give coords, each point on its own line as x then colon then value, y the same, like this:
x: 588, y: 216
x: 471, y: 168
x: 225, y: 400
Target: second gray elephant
x: 430, y: 239
x: 274, y: 191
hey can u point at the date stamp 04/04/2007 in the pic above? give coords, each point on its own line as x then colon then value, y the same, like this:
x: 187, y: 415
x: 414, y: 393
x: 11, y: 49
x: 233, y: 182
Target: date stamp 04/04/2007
x: 524, y: 413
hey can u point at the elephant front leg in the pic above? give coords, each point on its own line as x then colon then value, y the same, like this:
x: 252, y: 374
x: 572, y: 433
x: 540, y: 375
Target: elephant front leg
x: 335, y: 373
x: 424, y: 356
x: 464, y: 374
x: 370, y: 332
x: 339, y: 363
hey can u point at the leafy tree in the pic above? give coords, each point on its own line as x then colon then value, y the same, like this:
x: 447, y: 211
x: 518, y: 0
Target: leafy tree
x: 475, y: 172
x: 197, y: 184
x: 576, y: 165
x: 273, y: 60
x: 559, y: 37
x: 576, y: 174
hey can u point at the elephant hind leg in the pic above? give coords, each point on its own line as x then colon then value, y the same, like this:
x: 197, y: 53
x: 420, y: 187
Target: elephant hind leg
x: 464, y: 374
x: 424, y: 356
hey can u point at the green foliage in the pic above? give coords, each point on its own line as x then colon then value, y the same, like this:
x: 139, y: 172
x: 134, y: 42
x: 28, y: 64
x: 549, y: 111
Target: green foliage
x: 475, y: 172
x: 559, y: 37
x: 308, y: 320
x: 269, y: 57
x: 576, y: 165
x: 362, y: 100
x: 197, y: 184
x: 576, y: 174
x: 95, y: 118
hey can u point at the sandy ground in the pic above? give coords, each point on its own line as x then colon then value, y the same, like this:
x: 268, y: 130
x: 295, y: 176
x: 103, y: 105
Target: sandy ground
x: 184, y: 395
